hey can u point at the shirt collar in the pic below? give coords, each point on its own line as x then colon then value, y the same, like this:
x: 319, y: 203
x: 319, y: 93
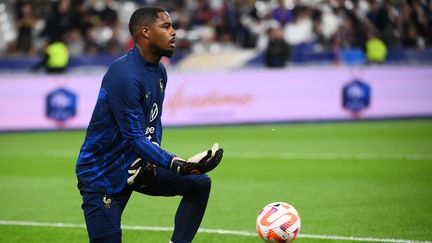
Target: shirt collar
x: 136, y: 53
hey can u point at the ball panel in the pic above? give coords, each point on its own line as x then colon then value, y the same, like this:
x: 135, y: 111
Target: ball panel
x: 272, y: 236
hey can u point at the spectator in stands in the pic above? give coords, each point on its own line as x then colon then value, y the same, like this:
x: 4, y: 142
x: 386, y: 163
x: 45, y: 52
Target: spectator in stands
x: 282, y: 14
x: 300, y: 29
x: 420, y: 21
x: 249, y: 18
x: 429, y: 17
x: 104, y: 32
x: 75, y: 42
x: 261, y: 29
x: 59, y: 22
x: 411, y: 25
x: 350, y: 34
x: 202, y: 14
x: 376, y: 49
x: 326, y: 24
x: 81, y: 26
x: 319, y: 36
x: 25, y: 24
x: 55, y: 58
x: 379, y: 16
x: 277, y: 52
x: 231, y: 25
x: 411, y: 38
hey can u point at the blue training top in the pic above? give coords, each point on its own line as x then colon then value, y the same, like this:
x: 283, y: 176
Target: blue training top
x: 125, y: 124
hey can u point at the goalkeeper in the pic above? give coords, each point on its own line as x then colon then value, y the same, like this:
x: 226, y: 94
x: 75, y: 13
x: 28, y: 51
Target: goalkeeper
x: 122, y: 149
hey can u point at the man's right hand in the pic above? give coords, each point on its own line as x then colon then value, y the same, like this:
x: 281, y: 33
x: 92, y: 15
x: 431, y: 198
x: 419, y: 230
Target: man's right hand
x: 198, y: 164
x: 141, y: 173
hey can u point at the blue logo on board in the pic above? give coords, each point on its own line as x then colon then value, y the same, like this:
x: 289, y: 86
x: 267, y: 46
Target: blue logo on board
x: 356, y: 96
x: 61, y: 104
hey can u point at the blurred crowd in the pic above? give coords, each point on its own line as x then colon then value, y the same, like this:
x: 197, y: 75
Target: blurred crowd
x: 87, y: 27
x: 91, y: 27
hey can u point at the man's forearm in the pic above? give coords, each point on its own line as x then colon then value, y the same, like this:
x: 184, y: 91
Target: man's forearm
x: 152, y: 153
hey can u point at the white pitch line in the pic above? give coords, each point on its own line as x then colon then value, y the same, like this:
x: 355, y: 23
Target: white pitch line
x: 212, y: 231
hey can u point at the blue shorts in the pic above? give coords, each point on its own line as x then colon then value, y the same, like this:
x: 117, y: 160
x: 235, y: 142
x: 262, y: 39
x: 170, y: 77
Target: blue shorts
x: 103, y: 212
x: 103, y: 215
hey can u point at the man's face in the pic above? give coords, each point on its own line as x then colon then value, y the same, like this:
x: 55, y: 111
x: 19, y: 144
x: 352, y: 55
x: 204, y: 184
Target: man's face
x: 162, y: 35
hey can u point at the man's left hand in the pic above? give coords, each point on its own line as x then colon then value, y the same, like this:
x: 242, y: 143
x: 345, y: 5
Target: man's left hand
x: 200, y: 163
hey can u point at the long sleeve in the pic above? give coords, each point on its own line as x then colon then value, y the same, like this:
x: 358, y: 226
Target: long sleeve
x: 124, y: 99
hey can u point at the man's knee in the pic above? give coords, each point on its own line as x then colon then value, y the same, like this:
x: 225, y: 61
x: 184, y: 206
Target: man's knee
x: 205, y: 182
x: 202, y: 184
x: 198, y: 186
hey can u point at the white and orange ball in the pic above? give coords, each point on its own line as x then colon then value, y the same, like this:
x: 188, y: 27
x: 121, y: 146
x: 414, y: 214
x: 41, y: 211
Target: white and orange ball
x: 278, y: 222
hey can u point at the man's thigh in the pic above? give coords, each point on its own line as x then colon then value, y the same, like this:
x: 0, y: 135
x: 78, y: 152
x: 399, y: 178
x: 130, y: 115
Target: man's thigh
x: 103, y: 215
x: 168, y: 183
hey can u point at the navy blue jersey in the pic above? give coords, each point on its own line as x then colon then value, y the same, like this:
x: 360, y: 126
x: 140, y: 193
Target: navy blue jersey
x: 125, y: 124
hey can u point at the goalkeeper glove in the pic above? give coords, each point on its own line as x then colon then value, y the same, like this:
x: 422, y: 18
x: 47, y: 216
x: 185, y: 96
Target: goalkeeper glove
x: 141, y: 173
x: 198, y: 164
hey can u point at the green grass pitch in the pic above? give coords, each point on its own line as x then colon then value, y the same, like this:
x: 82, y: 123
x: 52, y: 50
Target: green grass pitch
x: 360, y: 179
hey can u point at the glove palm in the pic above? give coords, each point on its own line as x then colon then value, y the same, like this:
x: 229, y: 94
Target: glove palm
x: 200, y: 163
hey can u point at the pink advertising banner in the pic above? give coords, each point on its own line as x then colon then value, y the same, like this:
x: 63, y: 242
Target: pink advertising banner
x: 244, y: 96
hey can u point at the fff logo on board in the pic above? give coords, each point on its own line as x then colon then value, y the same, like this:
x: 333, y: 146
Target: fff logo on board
x: 356, y: 96
x: 61, y: 104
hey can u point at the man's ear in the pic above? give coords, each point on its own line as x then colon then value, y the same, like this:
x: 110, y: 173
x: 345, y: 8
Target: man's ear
x: 145, y: 32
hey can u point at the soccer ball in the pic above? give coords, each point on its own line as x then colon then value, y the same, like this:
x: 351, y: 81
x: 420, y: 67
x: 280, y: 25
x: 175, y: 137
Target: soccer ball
x: 278, y: 222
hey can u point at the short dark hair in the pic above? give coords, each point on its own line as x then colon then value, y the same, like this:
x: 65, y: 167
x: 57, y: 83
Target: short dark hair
x: 142, y: 16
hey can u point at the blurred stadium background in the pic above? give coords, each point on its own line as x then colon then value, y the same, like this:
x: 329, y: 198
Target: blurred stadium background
x: 315, y: 31
x: 271, y: 70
